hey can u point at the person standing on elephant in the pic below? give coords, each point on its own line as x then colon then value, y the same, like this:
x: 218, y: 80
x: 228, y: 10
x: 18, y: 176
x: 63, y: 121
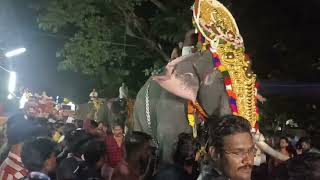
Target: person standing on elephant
x: 231, y: 149
x: 93, y: 95
x: 189, y: 43
x: 123, y: 91
x: 186, y: 47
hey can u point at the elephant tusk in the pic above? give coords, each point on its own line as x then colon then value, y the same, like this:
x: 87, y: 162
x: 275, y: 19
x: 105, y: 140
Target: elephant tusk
x: 267, y: 149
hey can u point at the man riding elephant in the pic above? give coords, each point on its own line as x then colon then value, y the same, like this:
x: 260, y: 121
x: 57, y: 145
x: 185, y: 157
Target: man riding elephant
x: 109, y: 111
x: 213, y: 82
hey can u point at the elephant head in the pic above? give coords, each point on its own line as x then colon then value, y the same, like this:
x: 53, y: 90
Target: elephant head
x: 194, y: 78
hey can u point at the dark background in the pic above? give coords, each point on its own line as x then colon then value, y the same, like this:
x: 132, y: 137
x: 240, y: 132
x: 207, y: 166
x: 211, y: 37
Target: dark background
x: 282, y: 38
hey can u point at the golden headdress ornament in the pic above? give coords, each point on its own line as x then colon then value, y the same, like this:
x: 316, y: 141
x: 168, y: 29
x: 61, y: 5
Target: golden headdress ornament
x: 219, y: 32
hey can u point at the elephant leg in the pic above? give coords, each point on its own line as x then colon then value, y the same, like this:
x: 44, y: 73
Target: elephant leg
x: 167, y: 142
x: 171, y: 115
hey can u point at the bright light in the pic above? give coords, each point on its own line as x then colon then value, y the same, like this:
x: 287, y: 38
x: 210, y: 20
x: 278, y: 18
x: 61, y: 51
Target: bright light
x: 73, y: 106
x: 15, y: 52
x: 23, y: 100
x: 12, y: 82
x: 10, y: 96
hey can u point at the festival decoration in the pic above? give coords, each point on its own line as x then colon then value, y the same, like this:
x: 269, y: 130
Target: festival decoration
x: 194, y: 109
x: 43, y: 106
x: 39, y: 106
x: 219, y: 33
x: 130, y: 105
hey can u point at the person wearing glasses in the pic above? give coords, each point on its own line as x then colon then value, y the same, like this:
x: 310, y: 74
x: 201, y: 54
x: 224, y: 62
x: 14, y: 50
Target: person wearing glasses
x: 231, y: 150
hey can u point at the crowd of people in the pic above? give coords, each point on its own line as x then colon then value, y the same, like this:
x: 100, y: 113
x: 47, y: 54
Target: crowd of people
x: 39, y: 149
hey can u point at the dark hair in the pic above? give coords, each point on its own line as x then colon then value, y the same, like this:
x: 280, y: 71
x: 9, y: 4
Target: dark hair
x: 227, y: 125
x: 134, y: 141
x: 305, y: 140
x: 75, y: 139
x: 117, y: 123
x: 185, y: 149
x: 104, y: 123
x: 298, y: 145
x: 290, y: 149
x: 20, y: 129
x: 304, y: 166
x: 93, y: 151
x: 68, y: 128
x: 94, y: 124
x: 35, y: 152
x: 79, y: 123
x: 284, y: 138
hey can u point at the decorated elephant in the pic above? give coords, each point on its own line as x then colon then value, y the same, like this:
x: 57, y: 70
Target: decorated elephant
x: 214, y: 82
x: 168, y: 112
x: 107, y: 111
x: 91, y: 111
x: 120, y: 110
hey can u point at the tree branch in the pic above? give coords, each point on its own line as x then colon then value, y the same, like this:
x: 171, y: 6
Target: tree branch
x: 130, y: 16
x: 159, y: 5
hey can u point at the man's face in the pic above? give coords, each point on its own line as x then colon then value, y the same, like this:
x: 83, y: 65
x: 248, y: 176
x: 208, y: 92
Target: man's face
x: 305, y: 146
x: 102, y: 128
x: 237, y: 156
x: 180, y: 45
x: 117, y: 131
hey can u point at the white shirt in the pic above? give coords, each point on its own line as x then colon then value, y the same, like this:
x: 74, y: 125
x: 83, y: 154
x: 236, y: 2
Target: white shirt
x: 123, y: 92
x: 93, y: 95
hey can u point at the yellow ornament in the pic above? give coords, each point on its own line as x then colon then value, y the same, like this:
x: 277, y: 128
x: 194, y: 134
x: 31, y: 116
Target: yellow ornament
x: 191, y: 120
x: 56, y: 136
x: 217, y: 25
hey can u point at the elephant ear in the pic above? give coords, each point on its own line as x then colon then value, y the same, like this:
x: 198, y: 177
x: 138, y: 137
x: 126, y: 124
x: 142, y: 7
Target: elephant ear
x: 181, y: 78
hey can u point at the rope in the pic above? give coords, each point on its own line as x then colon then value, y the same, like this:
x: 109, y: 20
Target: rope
x: 148, y: 116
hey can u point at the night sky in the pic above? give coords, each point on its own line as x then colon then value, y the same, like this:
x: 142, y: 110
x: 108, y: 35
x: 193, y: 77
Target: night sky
x: 281, y: 36
x: 37, y: 68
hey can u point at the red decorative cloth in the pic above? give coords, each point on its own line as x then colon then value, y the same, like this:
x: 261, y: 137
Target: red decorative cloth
x: 12, y: 168
x: 114, y: 153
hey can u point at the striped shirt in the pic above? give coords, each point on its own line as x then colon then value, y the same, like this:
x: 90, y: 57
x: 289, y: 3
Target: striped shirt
x: 12, y: 168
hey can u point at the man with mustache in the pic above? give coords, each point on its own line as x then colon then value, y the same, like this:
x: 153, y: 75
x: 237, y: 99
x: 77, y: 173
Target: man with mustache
x: 231, y: 149
x: 114, y: 149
